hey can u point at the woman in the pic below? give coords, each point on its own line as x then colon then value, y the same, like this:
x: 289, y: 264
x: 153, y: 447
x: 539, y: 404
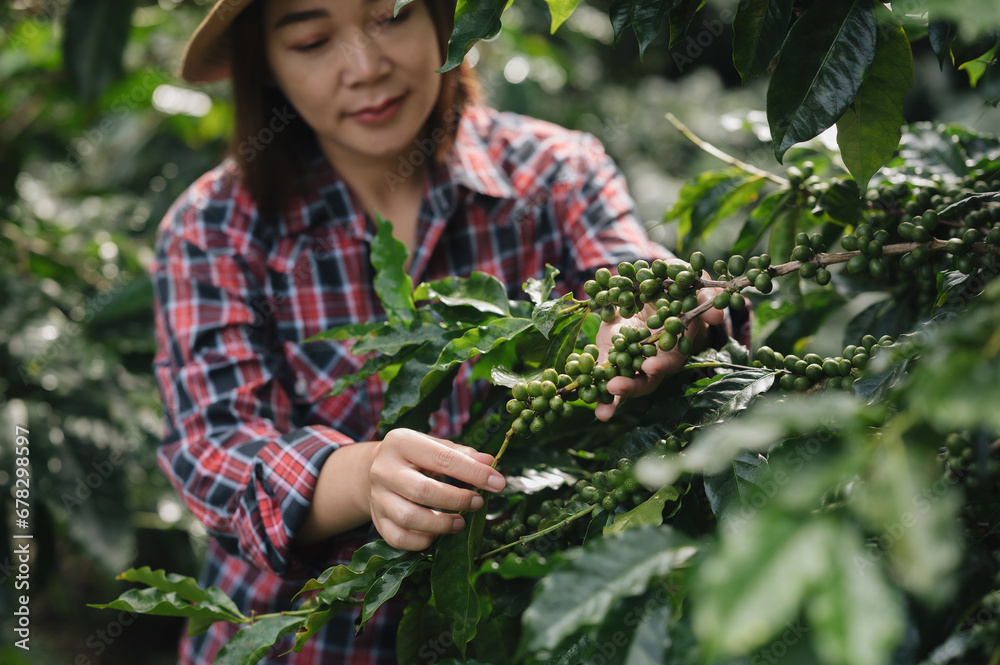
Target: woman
x: 339, y: 115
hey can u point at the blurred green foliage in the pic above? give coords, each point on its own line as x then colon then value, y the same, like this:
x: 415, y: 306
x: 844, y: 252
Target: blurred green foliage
x: 98, y: 137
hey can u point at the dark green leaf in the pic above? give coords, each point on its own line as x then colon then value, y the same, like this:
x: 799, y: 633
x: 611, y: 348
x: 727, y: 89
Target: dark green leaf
x: 868, y: 132
x: 96, y: 32
x: 513, y: 566
x: 452, y: 580
x: 387, y: 584
x: 349, y: 331
x: 581, y: 591
x: 647, y: 20
x: 253, y: 642
x: 539, y: 289
x: 842, y: 200
x: 698, y: 203
x: 371, y: 367
x: 758, y: 31
x: 647, y: 513
x: 652, y: 638
x: 390, y: 339
x: 680, y: 18
x: 737, y: 485
x: 545, y: 315
x: 417, y: 380
x: 479, y: 340
x: 726, y: 397
x: 783, y: 230
x: 474, y: 20
x: 153, y: 601
x: 339, y: 582
x: 564, y: 340
x: 392, y: 284
x: 480, y: 290
x: 620, y: 14
x: 762, y: 217
x: 941, y: 35
x: 314, y: 622
x: 820, y: 70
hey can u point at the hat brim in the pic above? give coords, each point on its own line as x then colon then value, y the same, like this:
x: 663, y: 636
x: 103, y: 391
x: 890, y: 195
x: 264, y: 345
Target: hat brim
x: 206, y: 56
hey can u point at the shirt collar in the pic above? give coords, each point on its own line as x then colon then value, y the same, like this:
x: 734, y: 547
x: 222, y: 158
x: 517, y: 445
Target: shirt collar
x: 470, y: 165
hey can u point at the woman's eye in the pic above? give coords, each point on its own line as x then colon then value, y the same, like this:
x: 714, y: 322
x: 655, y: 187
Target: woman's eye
x: 311, y: 46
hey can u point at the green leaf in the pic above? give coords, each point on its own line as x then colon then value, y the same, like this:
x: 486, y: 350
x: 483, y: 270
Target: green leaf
x: 253, y: 642
x: 855, y: 616
x: 647, y: 20
x: 545, y: 315
x: 783, y: 230
x: 738, y: 485
x: 96, y: 32
x: 392, y: 284
x: 762, y: 217
x: 713, y: 448
x: 371, y: 367
x: 916, y: 518
x: 700, y: 203
x: 560, y: 10
x: 539, y: 289
x: 758, y: 31
x: 479, y: 340
x: 941, y: 35
x: 474, y: 20
x: 820, y: 70
x: 680, y: 17
x: 341, y: 581
x: 416, y: 381
x: 349, y: 331
x: 726, y: 397
x: 390, y: 339
x: 452, y: 580
x: 513, y: 566
x: 314, y: 622
x: 868, y: 132
x: 652, y: 638
x: 153, y: 601
x: 842, y: 200
x: 581, y: 591
x: 387, y: 584
x: 564, y: 340
x: 756, y: 581
x: 647, y: 513
x: 480, y: 290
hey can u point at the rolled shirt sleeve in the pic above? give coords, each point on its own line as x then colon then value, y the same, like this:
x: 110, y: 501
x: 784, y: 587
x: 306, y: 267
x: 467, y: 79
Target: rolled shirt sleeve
x: 230, y: 448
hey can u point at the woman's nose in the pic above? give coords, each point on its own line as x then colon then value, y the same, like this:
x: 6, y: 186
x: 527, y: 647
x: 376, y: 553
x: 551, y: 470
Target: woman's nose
x: 364, y: 59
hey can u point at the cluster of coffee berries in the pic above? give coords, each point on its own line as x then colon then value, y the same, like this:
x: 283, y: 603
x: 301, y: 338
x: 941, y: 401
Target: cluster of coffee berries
x: 611, y: 488
x: 535, y: 403
x: 833, y: 372
x: 806, y: 247
x: 758, y: 273
x: 963, y: 464
x: 671, y: 286
x: 591, y: 378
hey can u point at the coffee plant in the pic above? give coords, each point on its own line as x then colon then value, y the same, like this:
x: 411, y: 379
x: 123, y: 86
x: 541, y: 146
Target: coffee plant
x: 830, y: 496
x: 826, y: 498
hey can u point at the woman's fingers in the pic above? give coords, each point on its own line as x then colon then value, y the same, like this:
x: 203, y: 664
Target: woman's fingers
x: 437, y: 456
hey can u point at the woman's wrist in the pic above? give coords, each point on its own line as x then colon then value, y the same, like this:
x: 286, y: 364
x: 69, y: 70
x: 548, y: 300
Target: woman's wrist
x: 342, y: 496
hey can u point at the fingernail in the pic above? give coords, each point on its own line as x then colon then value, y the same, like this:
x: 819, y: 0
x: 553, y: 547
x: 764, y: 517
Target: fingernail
x: 477, y: 503
x: 495, y: 482
x: 457, y: 524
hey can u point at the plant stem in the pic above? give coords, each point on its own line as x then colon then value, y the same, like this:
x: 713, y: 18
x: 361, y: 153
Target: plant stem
x: 727, y: 158
x: 538, y: 534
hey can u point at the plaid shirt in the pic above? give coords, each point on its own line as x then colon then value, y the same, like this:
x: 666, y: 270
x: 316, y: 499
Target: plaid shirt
x: 247, y: 420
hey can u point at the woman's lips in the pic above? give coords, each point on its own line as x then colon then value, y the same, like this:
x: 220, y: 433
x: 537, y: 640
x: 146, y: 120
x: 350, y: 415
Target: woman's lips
x: 378, y: 113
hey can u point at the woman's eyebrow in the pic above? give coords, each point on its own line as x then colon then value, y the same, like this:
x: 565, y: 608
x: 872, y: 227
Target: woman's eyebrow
x: 298, y: 17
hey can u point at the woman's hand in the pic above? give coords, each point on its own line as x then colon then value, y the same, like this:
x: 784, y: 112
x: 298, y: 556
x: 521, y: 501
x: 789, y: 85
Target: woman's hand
x: 398, y: 484
x: 655, y: 368
x: 410, y: 505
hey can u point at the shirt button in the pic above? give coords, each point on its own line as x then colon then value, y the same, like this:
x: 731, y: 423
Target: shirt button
x: 301, y: 387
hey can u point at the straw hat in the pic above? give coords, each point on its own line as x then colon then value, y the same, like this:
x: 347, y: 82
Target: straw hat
x: 206, y: 56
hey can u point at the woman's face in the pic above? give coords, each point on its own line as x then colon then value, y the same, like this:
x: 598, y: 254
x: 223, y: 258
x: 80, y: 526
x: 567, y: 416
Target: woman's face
x: 363, y: 80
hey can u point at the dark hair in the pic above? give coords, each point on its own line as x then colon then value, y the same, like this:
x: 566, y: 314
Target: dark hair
x: 273, y: 182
